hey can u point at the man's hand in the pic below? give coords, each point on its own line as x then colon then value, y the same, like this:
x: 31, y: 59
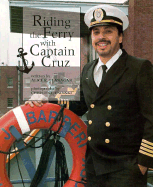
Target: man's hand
x: 143, y: 169
x: 37, y: 99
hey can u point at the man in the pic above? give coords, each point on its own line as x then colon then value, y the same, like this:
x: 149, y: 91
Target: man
x: 117, y: 89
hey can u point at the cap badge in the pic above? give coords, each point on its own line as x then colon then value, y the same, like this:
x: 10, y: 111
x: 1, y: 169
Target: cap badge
x: 98, y: 14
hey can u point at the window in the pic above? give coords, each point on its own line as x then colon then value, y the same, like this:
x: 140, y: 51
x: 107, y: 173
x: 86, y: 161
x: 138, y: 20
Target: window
x: 27, y: 82
x: 10, y: 102
x: 10, y: 82
x: 55, y: 75
x: 44, y: 84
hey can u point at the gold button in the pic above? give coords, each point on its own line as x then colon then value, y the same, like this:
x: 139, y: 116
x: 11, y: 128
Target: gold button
x: 109, y: 107
x: 107, y: 124
x: 89, y: 138
x: 90, y: 122
x: 107, y: 140
x: 92, y: 105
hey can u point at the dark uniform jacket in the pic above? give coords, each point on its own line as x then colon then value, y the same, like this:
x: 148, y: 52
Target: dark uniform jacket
x: 120, y: 114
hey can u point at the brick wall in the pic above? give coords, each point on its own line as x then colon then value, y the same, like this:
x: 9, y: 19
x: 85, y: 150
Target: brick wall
x: 84, y: 51
x: 8, y: 92
x: 138, y: 38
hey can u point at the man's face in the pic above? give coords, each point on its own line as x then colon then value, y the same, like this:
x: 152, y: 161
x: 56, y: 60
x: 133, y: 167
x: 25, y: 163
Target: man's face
x: 106, y: 40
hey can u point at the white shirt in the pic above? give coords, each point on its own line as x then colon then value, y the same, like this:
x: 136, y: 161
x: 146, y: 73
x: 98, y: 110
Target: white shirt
x: 98, y: 68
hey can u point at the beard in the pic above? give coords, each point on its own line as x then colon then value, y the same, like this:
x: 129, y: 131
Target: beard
x: 109, y: 51
x: 103, y: 52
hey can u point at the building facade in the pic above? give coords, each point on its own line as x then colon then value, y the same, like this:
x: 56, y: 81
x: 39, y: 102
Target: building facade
x: 10, y: 88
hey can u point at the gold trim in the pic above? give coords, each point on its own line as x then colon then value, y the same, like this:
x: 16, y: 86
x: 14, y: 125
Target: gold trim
x: 144, y: 153
x: 147, y: 142
x: 147, y: 146
x: 145, y: 149
x: 106, y: 21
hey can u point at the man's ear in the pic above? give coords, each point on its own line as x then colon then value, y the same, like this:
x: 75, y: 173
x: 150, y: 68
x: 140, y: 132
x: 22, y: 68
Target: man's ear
x: 121, y: 38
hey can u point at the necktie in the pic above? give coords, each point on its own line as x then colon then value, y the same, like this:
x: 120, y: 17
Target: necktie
x: 104, y: 67
x: 99, y: 75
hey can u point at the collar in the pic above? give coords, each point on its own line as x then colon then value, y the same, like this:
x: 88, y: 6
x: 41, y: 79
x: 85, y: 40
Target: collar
x: 110, y: 62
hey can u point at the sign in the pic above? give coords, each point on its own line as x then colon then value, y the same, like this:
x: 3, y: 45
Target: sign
x: 51, y: 43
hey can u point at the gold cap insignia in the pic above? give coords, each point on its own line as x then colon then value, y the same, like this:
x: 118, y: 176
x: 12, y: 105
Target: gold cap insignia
x: 98, y: 14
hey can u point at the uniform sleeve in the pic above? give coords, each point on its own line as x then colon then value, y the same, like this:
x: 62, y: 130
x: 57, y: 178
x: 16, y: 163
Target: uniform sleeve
x: 145, y: 97
x: 79, y: 107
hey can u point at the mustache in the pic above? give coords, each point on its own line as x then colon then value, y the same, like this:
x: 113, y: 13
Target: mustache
x: 103, y: 40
